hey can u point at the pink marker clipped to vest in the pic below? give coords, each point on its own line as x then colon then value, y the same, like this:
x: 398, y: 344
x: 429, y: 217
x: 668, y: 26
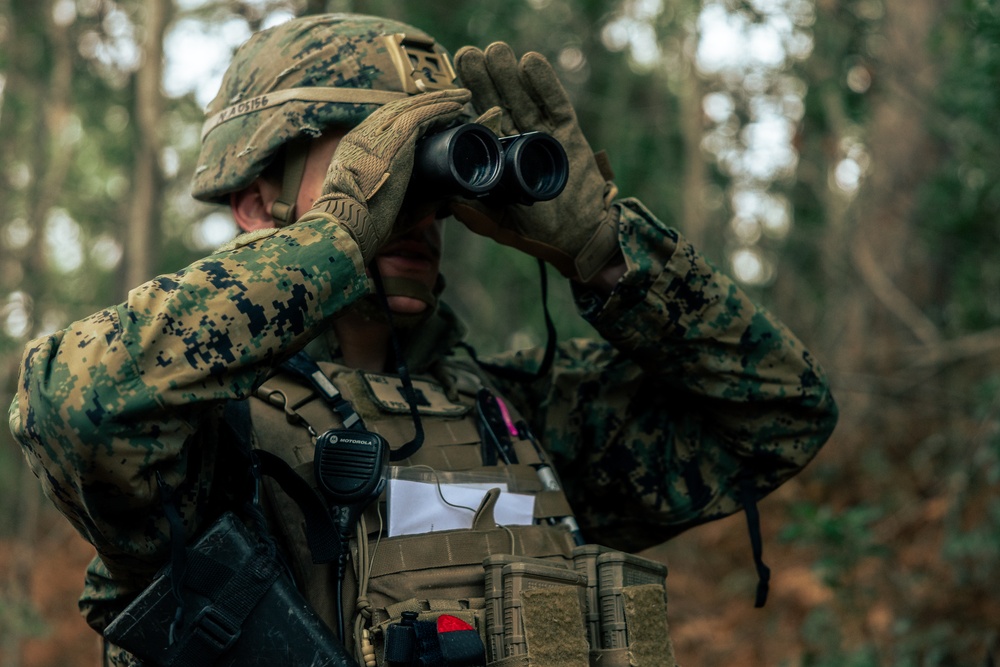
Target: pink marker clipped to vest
x: 496, y: 428
x: 508, y: 422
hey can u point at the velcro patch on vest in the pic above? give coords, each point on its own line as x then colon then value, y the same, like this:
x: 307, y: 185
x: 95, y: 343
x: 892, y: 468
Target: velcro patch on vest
x: 387, y: 392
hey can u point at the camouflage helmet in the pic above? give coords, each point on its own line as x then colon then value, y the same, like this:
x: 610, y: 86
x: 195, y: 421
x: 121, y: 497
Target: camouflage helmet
x: 297, y: 78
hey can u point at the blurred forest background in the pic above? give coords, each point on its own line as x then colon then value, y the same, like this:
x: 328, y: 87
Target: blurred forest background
x: 841, y: 158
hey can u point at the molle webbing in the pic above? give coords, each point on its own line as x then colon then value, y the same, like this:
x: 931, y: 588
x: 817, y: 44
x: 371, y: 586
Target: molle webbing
x: 452, y: 443
x: 467, y: 548
x: 443, y: 572
x: 379, y: 401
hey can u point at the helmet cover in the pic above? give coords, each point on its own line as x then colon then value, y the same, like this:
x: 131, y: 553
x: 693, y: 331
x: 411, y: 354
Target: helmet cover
x: 301, y: 77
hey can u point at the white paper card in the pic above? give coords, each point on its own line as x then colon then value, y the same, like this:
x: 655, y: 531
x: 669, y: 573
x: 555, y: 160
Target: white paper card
x: 416, y: 507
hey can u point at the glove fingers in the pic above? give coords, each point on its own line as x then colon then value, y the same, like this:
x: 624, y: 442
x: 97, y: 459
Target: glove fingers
x: 366, y: 151
x: 492, y: 118
x: 400, y: 118
x: 413, y: 124
x: 506, y: 74
x: 543, y: 84
x: 470, y: 63
x: 390, y: 128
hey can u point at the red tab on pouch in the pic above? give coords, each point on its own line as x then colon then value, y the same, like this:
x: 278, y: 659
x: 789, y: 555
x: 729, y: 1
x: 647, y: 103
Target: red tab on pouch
x: 448, y: 623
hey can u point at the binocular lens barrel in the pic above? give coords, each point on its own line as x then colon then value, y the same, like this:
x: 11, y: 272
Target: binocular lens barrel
x: 535, y: 167
x: 470, y: 161
x: 465, y: 160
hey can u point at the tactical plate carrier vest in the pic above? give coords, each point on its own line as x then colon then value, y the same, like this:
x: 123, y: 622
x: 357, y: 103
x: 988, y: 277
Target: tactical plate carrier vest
x: 511, y: 583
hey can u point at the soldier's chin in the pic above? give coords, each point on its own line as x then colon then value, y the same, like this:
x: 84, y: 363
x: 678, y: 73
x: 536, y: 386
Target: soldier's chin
x: 405, y: 305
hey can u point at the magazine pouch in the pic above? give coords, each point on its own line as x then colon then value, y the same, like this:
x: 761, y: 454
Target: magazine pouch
x: 240, y: 608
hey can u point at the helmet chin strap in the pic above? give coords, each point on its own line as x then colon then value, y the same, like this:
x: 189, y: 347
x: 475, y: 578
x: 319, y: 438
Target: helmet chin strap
x: 283, y: 209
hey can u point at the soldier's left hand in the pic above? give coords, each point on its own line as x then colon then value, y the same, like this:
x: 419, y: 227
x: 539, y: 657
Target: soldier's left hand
x: 577, y: 231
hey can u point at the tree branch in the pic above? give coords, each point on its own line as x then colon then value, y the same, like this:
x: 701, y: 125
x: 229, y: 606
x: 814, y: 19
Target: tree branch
x: 898, y: 303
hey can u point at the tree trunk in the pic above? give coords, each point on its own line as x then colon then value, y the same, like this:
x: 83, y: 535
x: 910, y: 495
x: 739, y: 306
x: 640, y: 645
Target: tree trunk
x: 886, y: 252
x: 52, y: 155
x: 147, y: 184
x: 693, y: 217
x: 49, y: 165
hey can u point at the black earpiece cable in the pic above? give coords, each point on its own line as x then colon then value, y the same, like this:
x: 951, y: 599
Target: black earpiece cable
x: 410, y: 448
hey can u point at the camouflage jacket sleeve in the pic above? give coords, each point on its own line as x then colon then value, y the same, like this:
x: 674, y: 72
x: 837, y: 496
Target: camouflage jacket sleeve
x: 695, y: 397
x: 111, y: 401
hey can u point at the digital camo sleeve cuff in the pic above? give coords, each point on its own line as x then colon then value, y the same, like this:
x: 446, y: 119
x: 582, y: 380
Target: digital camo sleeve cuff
x: 647, y: 245
x: 352, y: 216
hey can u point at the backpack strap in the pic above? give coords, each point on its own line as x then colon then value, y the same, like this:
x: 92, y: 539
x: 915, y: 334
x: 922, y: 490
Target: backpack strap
x: 302, y: 365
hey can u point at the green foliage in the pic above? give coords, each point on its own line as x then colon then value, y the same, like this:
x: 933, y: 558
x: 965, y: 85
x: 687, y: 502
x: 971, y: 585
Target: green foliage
x: 975, y: 551
x: 962, y: 205
x: 822, y: 633
x: 972, y: 531
x: 916, y: 581
x: 931, y: 647
x: 21, y: 618
x: 485, y: 305
x: 11, y: 466
x: 843, y: 539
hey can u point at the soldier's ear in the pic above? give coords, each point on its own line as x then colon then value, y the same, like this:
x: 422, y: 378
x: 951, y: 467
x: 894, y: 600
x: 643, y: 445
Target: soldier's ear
x: 251, y: 206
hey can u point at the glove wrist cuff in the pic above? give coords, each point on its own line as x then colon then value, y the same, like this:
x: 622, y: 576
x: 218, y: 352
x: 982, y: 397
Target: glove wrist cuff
x: 354, y: 217
x: 600, y: 248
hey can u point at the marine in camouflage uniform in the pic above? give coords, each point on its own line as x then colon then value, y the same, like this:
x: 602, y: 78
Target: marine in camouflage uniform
x: 692, y: 395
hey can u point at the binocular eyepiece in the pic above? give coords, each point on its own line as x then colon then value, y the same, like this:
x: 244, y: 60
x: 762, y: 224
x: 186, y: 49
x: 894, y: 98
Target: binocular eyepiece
x: 471, y: 161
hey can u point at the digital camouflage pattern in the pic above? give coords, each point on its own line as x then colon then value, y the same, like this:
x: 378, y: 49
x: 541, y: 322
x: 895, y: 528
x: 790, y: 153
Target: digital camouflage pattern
x: 109, y: 402
x: 694, y: 392
x: 248, y: 121
x: 695, y: 396
x: 692, y: 396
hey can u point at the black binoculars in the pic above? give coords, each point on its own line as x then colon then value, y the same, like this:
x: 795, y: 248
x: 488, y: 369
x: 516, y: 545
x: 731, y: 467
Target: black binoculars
x: 471, y: 161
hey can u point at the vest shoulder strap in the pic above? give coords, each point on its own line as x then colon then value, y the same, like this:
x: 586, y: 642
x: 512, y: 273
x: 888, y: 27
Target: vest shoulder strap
x: 320, y: 531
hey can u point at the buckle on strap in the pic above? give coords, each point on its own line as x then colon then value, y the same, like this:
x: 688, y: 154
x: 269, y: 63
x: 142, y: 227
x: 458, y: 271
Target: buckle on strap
x: 421, y: 64
x: 215, y: 628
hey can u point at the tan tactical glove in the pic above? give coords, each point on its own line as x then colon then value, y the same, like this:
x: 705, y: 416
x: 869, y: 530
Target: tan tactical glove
x: 577, y: 231
x: 370, y: 170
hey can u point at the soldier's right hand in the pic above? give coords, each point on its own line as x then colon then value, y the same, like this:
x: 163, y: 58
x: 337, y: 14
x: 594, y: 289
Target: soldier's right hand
x: 370, y: 170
